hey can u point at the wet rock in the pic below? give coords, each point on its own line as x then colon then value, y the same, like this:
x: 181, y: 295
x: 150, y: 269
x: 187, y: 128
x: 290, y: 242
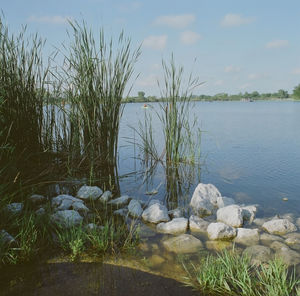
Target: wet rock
x: 120, y: 201
x: 259, y: 221
x: 279, y: 226
x: 6, y: 238
x: 66, y: 219
x: 40, y: 212
x: 14, y: 208
x: 89, y: 192
x: 223, y: 201
x: 220, y: 231
x: 37, y: 199
x: 267, y: 238
x: 182, y: 244
x: 288, y: 256
x: 293, y: 240
x: 176, y: 213
x: 276, y: 245
x: 231, y: 215
x: 80, y: 208
x: 106, y: 196
x: 156, y: 260
x: 258, y: 254
x: 249, y: 213
x: 177, y: 225
x: 121, y: 212
x: 156, y: 213
x: 198, y: 224
x: 246, y: 236
x: 298, y: 222
x: 217, y: 245
x: 64, y: 202
x: 145, y: 231
x: 135, y: 209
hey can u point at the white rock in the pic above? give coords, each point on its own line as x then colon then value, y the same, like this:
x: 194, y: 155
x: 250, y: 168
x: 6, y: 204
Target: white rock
x: 80, y: 208
x: 197, y: 224
x: 231, y: 215
x: 120, y: 201
x: 279, y: 226
x: 6, y: 238
x: 156, y: 213
x: 89, y: 192
x: 182, y: 244
x: 258, y: 254
x: 64, y: 202
x: 223, y: 201
x: 246, y: 236
x: 15, y: 208
x: 106, y: 196
x: 208, y: 191
x: 176, y: 213
x: 220, y: 231
x: 177, y: 225
x: 66, y: 219
x: 135, y: 208
x: 259, y: 221
x: 289, y: 216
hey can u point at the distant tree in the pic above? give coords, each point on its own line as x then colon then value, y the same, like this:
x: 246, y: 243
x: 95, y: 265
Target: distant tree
x: 296, y: 92
x: 282, y: 94
x: 141, y: 95
x: 254, y: 94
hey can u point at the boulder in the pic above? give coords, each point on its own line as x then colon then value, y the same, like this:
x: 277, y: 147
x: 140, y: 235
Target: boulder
x: 279, y: 226
x: 176, y: 213
x: 293, y: 240
x: 267, y: 239
x: 64, y: 202
x: 106, y: 196
x: 276, y: 245
x: 40, y: 212
x: 246, y: 236
x: 207, y: 191
x: 177, y: 225
x: 182, y: 244
x: 223, y: 201
x: 66, y: 219
x: 80, y: 208
x: 37, y: 199
x: 6, y: 238
x: 288, y: 216
x: 298, y: 222
x: 231, y: 215
x: 220, y: 231
x: 258, y: 254
x: 156, y: 213
x: 89, y: 192
x: 14, y: 208
x: 197, y: 224
x: 120, y: 201
x: 135, y: 209
x: 121, y: 212
x: 288, y: 256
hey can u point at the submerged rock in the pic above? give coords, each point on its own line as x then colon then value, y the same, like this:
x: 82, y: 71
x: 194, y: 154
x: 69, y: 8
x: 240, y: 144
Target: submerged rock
x: 218, y: 245
x: 135, y: 208
x: 259, y: 221
x: 66, y: 219
x: 267, y: 238
x: 288, y: 256
x: 182, y: 244
x: 279, y: 226
x: 223, y: 201
x: 220, y: 231
x: 293, y: 240
x: 156, y: 260
x: 231, y: 215
x: 89, y: 192
x: 298, y: 222
x: 258, y: 254
x: 246, y: 236
x: 198, y: 224
x: 106, y: 196
x: 14, y: 208
x: 120, y: 201
x: 276, y: 245
x: 156, y: 213
x: 177, y: 225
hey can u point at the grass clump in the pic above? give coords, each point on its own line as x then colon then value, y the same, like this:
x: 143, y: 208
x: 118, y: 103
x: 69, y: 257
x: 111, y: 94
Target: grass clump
x: 231, y: 274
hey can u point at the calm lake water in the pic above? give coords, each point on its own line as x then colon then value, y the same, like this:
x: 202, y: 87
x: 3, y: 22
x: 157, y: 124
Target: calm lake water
x: 249, y: 150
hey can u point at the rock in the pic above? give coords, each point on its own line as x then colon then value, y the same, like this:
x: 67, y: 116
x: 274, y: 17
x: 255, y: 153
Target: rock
x: 217, y: 245
x: 80, y: 208
x: 156, y: 213
x: 120, y: 201
x: 121, y: 212
x: 223, y: 201
x: 276, y: 245
x: 293, y: 240
x: 231, y: 215
x: 202, y: 207
x: 246, y: 236
x: 298, y: 222
x: 249, y: 213
x: 207, y: 191
x: 267, y: 239
x: 40, y: 212
x: 106, y: 196
x: 288, y: 256
x: 93, y: 227
x: 14, y: 208
x: 135, y: 208
x: 64, y: 202
x: 258, y: 254
x: 176, y: 213
x: 153, y: 201
x: 66, y: 219
x: 197, y: 224
x: 6, y: 238
x: 89, y: 192
x: 156, y: 260
x: 289, y: 216
x: 37, y: 199
x: 145, y: 231
x: 177, y: 225
x: 220, y: 231
x: 182, y: 244
x: 259, y: 221
x: 279, y: 226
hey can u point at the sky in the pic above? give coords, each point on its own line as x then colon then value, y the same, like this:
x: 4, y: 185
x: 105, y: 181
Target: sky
x: 232, y: 46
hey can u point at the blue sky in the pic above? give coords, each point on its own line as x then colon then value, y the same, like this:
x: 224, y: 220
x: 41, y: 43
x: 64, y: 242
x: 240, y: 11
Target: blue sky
x: 239, y: 45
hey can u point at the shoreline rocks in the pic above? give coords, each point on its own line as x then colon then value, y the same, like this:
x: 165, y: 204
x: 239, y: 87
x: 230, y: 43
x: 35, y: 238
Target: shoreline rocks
x: 279, y: 226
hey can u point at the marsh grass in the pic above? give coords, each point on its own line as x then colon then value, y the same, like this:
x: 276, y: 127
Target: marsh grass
x: 231, y: 274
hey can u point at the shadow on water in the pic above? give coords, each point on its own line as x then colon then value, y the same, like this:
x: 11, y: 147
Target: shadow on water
x: 86, y: 279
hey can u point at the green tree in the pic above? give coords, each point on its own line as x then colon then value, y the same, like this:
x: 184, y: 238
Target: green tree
x: 141, y: 95
x: 282, y: 94
x: 296, y: 92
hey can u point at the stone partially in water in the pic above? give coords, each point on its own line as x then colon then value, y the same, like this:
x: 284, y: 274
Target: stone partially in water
x: 120, y: 201
x: 267, y: 238
x: 231, y: 215
x: 223, y: 201
x: 89, y: 192
x: 66, y: 219
x: 259, y: 221
x: 279, y: 226
x: 246, y: 236
x: 156, y: 260
x: 220, y: 231
x: 258, y: 254
x: 217, y: 245
x: 183, y: 244
x: 106, y: 196
x: 293, y: 240
x: 276, y: 245
x: 64, y: 202
x: 176, y: 213
x: 177, y: 225
x: 288, y: 256
x: 135, y: 209
x: 156, y: 213
x: 198, y: 224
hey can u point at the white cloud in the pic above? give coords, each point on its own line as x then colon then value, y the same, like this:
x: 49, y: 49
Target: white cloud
x: 47, y: 19
x: 234, y: 20
x: 277, y: 44
x: 189, y: 37
x: 156, y: 42
x: 232, y: 69
x: 148, y: 81
x: 175, y: 21
x: 296, y: 71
